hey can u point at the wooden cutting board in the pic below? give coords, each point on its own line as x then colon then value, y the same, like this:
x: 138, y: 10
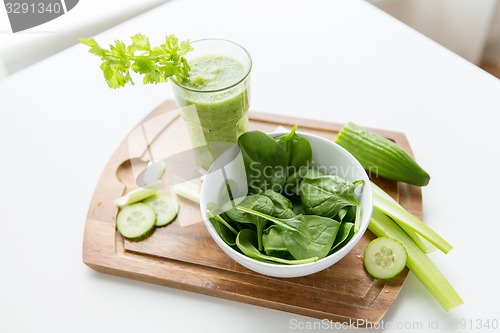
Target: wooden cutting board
x: 184, y: 256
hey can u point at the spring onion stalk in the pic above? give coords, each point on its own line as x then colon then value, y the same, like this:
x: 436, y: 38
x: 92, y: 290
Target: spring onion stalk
x: 407, y: 221
x: 418, y: 262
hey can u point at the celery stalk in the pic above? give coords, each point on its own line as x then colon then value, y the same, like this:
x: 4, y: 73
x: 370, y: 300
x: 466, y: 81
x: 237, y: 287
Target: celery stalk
x: 135, y: 196
x: 407, y: 221
x: 421, y: 242
x: 418, y: 262
x: 189, y: 191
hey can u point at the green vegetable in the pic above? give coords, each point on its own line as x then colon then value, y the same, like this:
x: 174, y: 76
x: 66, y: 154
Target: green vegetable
x: 305, y: 236
x: 223, y: 228
x: 297, y: 150
x: 381, y: 156
x: 292, y: 184
x: 313, y: 173
x: 283, y: 208
x: 298, y: 208
x: 418, y: 262
x: 265, y: 161
x: 141, y: 208
x: 407, y: 221
x: 156, y: 64
x: 346, y: 214
x: 135, y: 196
x: 136, y: 221
x: 346, y: 231
x: 188, y: 191
x: 327, y: 195
x: 274, y: 242
x: 165, y: 206
x: 294, y: 231
x: 257, y: 202
x: 246, y: 241
x: 421, y: 242
x: 384, y: 258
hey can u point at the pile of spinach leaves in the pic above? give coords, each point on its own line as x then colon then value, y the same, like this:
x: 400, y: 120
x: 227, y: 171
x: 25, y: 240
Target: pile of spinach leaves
x: 294, y: 213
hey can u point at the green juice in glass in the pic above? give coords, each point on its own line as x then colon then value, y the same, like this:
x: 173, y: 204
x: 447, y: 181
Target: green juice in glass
x: 214, y: 102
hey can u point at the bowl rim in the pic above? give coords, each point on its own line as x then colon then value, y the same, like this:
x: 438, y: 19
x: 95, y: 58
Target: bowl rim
x: 335, y: 257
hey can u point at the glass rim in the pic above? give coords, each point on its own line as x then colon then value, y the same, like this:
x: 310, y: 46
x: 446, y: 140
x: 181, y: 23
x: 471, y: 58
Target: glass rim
x: 224, y: 88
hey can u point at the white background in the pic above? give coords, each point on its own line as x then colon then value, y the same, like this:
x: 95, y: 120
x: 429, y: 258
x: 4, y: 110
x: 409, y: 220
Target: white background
x: 87, y: 18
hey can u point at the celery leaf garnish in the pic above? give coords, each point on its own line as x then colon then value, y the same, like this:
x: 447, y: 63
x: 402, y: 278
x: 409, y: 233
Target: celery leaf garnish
x: 156, y: 64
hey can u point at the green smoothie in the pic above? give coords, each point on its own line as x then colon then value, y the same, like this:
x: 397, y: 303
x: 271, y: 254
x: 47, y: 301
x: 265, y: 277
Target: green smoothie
x: 214, y: 102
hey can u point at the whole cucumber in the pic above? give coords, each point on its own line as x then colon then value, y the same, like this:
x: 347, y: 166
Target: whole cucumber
x: 381, y: 156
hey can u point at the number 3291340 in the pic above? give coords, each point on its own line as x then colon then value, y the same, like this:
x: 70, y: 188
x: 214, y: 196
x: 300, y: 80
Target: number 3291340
x: 40, y: 8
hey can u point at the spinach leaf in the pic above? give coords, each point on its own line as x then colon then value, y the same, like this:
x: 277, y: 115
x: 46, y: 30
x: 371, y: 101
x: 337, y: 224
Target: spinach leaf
x: 297, y: 205
x: 274, y: 243
x: 282, y: 206
x: 236, y: 225
x: 257, y: 202
x: 346, y: 231
x: 223, y: 228
x: 273, y: 240
x: 341, y: 215
x: 327, y: 195
x: 292, y: 184
x: 346, y: 214
x: 293, y: 181
x: 312, y: 172
x: 298, y: 208
x: 305, y: 236
x: 265, y: 161
x: 246, y: 241
x: 297, y: 150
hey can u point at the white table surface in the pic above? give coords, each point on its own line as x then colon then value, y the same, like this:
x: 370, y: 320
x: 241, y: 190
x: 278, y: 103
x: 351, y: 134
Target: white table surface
x: 336, y: 60
x: 24, y: 48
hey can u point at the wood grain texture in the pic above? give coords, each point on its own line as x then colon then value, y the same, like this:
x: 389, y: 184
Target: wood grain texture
x: 183, y: 255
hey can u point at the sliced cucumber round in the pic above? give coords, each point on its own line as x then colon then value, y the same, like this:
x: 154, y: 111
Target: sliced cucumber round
x: 384, y: 258
x: 136, y: 221
x: 165, y: 206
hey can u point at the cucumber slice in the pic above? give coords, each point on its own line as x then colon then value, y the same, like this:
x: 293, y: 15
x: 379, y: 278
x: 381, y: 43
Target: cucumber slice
x: 136, y: 221
x: 384, y: 258
x: 165, y: 206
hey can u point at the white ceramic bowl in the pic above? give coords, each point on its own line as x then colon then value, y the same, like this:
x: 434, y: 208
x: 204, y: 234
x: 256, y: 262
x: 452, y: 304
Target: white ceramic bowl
x: 326, y: 154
